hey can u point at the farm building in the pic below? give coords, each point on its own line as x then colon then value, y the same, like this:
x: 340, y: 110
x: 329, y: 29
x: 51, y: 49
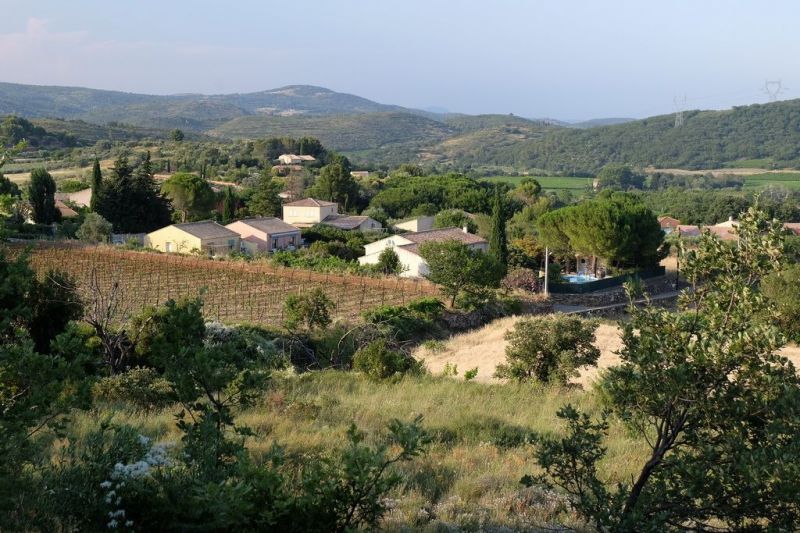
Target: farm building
x: 406, y: 247
x: 415, y: 224
x: 80, y: 198
x: 207, y: 237
x: 309, y: 211
x: 292, y: 159
x: 266, y: 234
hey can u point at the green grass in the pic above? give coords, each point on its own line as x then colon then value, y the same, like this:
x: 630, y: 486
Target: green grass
x: 470, y: 475
x: 765, y: 162
x: 548, y: 183
x: 786, y: 179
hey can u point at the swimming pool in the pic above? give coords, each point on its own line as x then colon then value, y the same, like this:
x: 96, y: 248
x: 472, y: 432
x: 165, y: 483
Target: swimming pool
x: 579, y: 278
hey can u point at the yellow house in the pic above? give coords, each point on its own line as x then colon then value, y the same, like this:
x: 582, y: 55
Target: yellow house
x: 207, y: 237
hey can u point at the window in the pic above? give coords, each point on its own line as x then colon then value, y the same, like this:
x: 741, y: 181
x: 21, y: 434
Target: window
x: 274, y: 243
x: 168, y: 246
x: 231, y: 243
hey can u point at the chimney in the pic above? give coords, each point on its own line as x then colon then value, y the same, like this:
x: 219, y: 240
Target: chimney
x: 465, y: 229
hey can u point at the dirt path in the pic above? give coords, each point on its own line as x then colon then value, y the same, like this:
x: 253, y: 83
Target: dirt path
x: 485, y: 349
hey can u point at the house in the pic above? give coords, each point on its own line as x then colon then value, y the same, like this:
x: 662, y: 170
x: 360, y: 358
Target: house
x: 207, y: 237
x: 292, y: 159
x: 685, y: 230
x: 266, y: 234
x: 309, y: 211
x: 415, y: 224
x: 65, y: 210
x: 360, y: 173
x: 80, y: 198
x: 668, y: 224
x: 406, y: 247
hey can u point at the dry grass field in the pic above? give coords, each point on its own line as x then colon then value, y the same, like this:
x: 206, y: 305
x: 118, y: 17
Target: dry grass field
x: 485, y: 349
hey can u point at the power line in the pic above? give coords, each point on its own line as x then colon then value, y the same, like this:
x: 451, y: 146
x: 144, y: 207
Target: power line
x: 680, y: 106
x: 773, y: 89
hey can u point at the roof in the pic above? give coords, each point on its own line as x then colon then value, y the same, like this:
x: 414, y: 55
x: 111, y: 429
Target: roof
x: 345, y: 221
x: 668, y: 222
x: 730, y: 223
x: 65, y: 210
x: 793, y: 227
x: 439, y: 235
x: 723, y: 232
x: 310, y: 202
x: 269, y: 225
x: 689, y: 231
x: 300, y: 157
x: 207, y: 229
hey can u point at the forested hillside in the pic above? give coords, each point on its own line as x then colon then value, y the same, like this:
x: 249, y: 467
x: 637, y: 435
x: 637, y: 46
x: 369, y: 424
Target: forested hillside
x: 390, y: 135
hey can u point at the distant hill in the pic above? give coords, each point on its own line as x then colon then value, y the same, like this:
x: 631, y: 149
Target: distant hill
x: 387, y: 134
x: 597, y: 122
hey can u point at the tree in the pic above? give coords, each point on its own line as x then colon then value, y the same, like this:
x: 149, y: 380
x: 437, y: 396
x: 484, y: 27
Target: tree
x: 228, y: 206
x: 455, y: 218
x: 177, y: 135
x: 549, y: 349
x: 191, y: 196
x: 459, y: 269
x: 97, y: 185
x: 498, y: 243
x: 130, y: 198
x: 263, y: 199
x: 335, y: 184
x: 389, y: 262
x: 704, y: 388
x: 95, y: 229
x: 41, y: 194
x: 620, y: 177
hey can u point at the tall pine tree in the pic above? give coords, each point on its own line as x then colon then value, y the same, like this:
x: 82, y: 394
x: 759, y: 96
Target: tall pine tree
x: 97, y: 185
x: 498, y: 243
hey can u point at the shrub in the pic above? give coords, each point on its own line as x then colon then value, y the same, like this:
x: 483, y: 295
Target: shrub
x: 549, y: 348
x: 523, y: 279
x: 406, y: 322
x: 378, y: 361
x: 143, y: 388
x: 313, y: 309
x: 783, y: 290
x: 94, y: 229
x: 389, y: 262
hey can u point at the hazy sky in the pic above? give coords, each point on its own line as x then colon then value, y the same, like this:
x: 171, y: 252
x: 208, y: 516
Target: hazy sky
x: 564, y: 59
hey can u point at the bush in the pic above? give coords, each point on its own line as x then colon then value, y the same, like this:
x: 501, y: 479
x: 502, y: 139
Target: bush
x: 523, y: 279
x: 378, y: 361
x: 389, y: 262
x: 94, y: 229
x: 255, y: 344
x: 549, y: 348
x: 783, y: 290
x: 143, y: 388
x: 406, y: 322
x: 313, y: 309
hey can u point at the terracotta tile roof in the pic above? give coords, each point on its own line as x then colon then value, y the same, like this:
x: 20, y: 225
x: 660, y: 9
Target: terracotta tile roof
x: 793, y: 227
x: 723, y: 232
x: 310, y: 202
x: 207, y: 229
x: 668, y: 222
x: 689, y: 231
x: 269, y: 225
x: 65, y: 210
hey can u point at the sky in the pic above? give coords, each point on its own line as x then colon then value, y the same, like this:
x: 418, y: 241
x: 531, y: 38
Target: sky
x: 564, y: 59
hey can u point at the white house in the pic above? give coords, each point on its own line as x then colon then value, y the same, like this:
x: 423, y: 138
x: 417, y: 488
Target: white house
x: 309, y: 211
x: 406, y: 247
x: 423, y: 223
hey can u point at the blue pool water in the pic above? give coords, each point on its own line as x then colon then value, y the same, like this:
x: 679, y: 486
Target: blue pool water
x: 579, y: 278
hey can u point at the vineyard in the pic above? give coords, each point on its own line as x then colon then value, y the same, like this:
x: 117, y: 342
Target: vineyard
x: 233, y: 292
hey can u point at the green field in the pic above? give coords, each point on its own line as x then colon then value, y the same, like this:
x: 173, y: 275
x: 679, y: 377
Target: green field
x: 785, y: 179
x: 549, y: 183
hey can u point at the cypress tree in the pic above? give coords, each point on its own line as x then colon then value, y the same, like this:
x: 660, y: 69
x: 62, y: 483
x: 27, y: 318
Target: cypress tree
x: 498, y: 245
x: 41, y: 194
x: 228, y: 206
x: 97, y: 185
